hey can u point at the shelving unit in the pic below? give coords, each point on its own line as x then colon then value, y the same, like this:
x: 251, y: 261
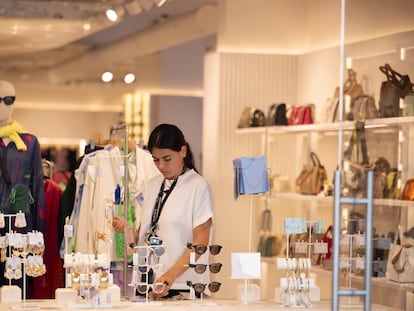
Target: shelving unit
x: 396, y: 141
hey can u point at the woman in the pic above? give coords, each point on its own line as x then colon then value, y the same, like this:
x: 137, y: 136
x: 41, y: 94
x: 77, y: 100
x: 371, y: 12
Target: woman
x: 177, y: 209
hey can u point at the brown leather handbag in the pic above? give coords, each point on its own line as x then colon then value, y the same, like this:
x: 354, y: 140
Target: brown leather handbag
x: 408, y: 191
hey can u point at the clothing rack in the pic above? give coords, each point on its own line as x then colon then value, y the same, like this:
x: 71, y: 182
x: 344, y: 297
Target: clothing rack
x: 121, y: 131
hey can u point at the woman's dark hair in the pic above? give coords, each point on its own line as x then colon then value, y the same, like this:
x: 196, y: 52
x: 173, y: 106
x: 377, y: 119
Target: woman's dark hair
x: 169, y: 136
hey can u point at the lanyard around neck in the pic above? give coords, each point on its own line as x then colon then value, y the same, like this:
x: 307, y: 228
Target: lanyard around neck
x: 160, y: 202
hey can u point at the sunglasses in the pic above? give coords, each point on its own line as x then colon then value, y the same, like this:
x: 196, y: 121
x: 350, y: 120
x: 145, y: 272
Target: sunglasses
x: 157, y: 268
x: 200, y: 287
x: 8, y: 100
x: 201, y: 268
x: 201, y: 249
x: 157, y: 288
x: 146, y: 251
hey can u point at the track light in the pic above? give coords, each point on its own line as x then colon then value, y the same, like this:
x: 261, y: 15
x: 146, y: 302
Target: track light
x: 107, y: 76
x: 112, y: 15
x: 129, y: 78
x: 115, y: 13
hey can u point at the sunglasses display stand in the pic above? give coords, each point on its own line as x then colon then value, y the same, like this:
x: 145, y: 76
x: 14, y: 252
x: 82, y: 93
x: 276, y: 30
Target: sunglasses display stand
x: 200, y: 287
x: 142, y: 270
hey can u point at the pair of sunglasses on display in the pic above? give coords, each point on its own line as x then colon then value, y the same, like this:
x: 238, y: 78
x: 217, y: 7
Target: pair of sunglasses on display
x: 201, y: 249
x: 156, y: 288
x: 146, y: 251
x: 200, y: 287
x: 157, y: 268
x: 8, y: 100
x: 201, y: 268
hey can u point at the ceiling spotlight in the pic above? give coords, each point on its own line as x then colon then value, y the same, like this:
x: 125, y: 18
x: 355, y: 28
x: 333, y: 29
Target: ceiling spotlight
x: 87, y: 26
x: 112, y: 15
x: 129, y: 78
x: 107, y: 76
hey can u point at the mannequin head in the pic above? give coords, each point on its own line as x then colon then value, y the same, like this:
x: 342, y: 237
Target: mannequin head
x: 6, y: 111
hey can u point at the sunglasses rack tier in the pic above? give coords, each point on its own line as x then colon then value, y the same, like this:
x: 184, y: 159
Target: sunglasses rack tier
x: 146, y: 268
x: 198, y: 289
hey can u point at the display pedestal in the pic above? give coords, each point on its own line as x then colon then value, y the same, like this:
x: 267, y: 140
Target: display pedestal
x: 64, y: 296
x: 112, y: 293
x: 10, y: 293
x: 248, y: 292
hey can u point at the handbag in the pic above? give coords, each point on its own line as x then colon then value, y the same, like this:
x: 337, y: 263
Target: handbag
x: 352, y: 89
x: 354, y: 170
x: 400, y: 265
x: 270, y: 244
x: 312, y: 177
x: 301, y: 115
x: 276, y: 115
x: 322, y: 258
x: 408, y: 190
x: 363, y: 107
x: 250, y: 175
x: 396, y: 86
x: 252, y: 117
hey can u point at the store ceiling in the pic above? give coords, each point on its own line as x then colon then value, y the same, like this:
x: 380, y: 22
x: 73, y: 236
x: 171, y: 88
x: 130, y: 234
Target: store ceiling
x: 42, y: 35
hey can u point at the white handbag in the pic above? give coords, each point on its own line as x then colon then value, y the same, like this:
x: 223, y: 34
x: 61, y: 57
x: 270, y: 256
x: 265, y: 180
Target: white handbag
x: 400, y: 265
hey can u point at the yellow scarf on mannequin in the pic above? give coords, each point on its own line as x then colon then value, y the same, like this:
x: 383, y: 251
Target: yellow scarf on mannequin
x: 12, y: 131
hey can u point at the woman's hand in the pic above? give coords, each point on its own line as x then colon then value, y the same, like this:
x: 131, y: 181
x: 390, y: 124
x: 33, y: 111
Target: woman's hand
x: 161, y: 286
x: 119, y: 224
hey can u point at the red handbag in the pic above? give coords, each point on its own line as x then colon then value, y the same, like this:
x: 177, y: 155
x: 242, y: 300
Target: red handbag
x: 301, y: 115
x: 327, y: 238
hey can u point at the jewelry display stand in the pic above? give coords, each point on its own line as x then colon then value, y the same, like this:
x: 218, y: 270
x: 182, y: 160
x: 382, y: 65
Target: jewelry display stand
x: 88, y: 282
x: 348, y: 263
x: 297, y: 288
x: 10, y: 293
x: 251, y: 177
x: 24, y: 249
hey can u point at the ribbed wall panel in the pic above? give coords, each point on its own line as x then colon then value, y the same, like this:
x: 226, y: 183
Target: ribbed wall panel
x: 245, y: 80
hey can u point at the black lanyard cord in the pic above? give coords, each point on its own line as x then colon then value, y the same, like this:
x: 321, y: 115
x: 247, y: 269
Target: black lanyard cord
x: 160, y: 202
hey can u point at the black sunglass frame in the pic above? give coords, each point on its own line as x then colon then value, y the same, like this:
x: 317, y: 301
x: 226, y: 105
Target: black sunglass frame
x: 201, y: 268
x: 201, y: 248
x: 200, y: 287
x: 8, y: 100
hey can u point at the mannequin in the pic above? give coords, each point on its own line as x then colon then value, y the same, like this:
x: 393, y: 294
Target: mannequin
x: 21, y: 157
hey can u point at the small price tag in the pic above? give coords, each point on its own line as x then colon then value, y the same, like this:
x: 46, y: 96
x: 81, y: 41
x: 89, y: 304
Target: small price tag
x: 319, y: 226
x: 295, y: 225
x: 68, y: 229
x: 359, y: 239
x: 359, y: 263
x: 320, y: 248
x: 301, y: 247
